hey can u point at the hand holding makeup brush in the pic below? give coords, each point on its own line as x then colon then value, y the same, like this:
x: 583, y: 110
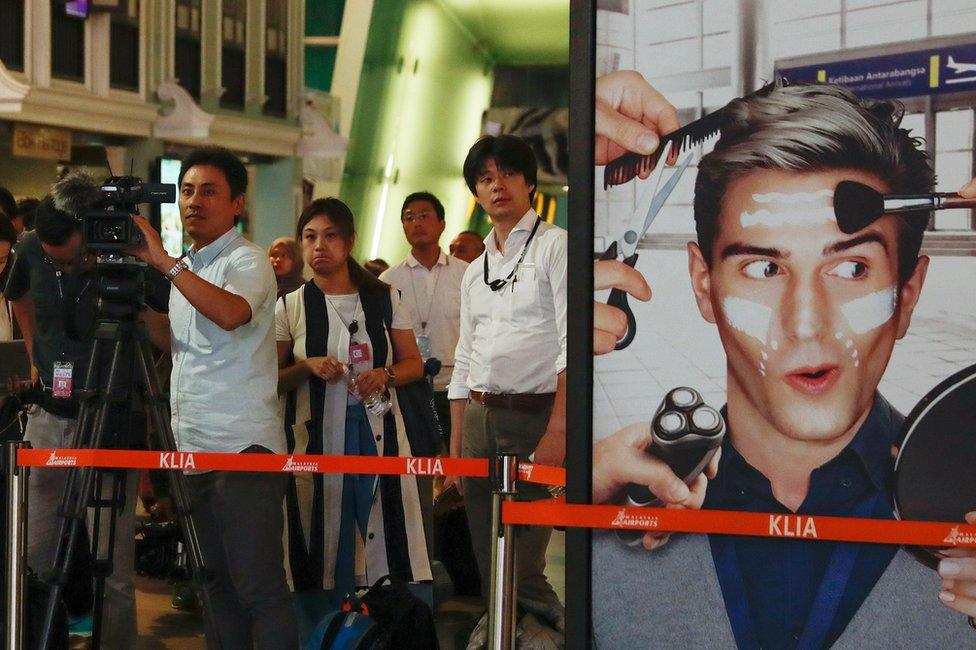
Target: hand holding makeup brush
x: 630, y: 116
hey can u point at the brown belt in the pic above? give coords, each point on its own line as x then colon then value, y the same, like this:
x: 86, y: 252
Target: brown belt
x: 530, y: 402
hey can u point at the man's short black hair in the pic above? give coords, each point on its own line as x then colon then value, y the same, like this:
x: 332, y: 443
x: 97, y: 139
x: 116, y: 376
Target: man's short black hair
x: 228, y: 163
x: 424, y: 196
x: 7, y: 204
x: 54, y: 227
x: 25, y: 210
x: 509, y: 152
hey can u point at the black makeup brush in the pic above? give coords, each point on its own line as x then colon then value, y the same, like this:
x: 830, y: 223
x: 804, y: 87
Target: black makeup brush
x: 857, y: 206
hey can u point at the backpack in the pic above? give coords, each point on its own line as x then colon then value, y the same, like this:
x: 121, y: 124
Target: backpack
x: 349, y: 628
x: 405, y: 621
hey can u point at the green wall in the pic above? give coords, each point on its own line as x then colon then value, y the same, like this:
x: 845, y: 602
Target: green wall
x: 423, y: 90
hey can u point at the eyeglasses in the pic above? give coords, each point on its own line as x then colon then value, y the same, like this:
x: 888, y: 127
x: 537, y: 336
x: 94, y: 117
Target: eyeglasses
x: 410, y: 217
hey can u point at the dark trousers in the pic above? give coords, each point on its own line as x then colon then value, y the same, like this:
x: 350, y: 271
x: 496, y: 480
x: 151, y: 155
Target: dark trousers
x: 239, y: 521
x: 487, y: 431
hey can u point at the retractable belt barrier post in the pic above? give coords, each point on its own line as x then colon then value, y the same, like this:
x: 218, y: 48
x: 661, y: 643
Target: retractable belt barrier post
x: 15, y: 560
x: 501, y: 601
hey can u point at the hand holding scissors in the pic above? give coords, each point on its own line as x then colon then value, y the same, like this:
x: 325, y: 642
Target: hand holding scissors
x: 626, y: 247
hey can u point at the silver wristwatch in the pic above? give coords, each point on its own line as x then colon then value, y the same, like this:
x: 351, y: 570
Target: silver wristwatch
x: 178, y: 268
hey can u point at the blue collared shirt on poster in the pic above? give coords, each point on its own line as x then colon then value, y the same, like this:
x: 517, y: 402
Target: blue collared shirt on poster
x: 780, y: 578
x: 223, y: 388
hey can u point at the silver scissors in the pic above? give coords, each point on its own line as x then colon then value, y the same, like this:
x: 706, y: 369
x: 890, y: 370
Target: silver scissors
x: 626, y: 247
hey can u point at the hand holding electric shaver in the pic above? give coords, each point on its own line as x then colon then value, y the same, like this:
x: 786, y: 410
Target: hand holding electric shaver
x: 686, y: 434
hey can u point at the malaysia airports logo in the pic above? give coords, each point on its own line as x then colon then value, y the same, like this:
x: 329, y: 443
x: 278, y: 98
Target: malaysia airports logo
x: 625, y: 520
x: 60, y: 461
x: 301, y: 466
x: 955, y: 537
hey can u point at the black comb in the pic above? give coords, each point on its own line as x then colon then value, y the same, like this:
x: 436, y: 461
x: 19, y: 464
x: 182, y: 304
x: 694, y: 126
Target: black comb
x: 629, y: 165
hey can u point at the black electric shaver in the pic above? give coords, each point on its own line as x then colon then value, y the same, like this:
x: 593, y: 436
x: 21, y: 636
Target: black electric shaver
x: 686, y: 433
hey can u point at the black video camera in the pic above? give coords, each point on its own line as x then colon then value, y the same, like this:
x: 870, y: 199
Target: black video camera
x: 109, y: 227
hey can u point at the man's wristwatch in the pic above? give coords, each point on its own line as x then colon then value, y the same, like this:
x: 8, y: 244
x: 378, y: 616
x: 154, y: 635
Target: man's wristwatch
x: 178, y: 268
x: 390, y: 375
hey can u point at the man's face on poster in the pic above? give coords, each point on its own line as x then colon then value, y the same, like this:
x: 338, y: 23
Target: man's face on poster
x: 807, y: 315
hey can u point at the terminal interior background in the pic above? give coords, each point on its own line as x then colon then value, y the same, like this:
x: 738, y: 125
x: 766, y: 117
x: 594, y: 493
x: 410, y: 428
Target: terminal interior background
x: 367, y: 100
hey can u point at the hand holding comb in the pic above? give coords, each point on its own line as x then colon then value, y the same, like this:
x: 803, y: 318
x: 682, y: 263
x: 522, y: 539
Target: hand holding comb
x: 629, y: 165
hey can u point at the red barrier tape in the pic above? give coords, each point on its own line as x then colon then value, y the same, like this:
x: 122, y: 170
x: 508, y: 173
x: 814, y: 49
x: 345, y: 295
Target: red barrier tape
x: 755, y: 524
x: 419, y: 466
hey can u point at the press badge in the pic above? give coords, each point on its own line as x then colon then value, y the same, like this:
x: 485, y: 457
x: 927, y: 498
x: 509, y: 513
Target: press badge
x: 61, y: 386
x: 358, y: 353
x: 423, y: 344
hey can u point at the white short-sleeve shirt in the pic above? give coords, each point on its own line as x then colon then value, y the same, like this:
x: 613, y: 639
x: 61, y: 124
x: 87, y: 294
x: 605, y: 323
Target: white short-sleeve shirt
x: 223, y: 388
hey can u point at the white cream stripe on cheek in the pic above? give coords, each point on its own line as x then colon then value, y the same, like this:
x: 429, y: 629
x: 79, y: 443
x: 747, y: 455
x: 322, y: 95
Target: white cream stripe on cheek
x: 797, y: 208
x: 748, y: 317
x: 865, y: 313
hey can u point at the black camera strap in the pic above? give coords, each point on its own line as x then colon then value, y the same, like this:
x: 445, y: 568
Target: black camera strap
x: 498, y: 284
x: 69, y: 298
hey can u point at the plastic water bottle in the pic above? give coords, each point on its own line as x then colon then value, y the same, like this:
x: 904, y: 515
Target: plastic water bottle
x: 377, y: 402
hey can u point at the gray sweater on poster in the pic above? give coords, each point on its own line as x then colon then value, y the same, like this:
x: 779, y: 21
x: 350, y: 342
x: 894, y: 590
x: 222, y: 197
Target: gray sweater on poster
x: 671, y: 598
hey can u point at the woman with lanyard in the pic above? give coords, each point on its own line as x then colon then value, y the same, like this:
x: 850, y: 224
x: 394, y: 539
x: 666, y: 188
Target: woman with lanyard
x: 346, y: 318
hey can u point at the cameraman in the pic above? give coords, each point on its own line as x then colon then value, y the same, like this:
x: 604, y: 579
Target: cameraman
x: 224, y: 399
x: 53, y: 290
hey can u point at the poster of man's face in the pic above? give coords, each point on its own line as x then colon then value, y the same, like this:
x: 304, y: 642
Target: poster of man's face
x: 811, y: 336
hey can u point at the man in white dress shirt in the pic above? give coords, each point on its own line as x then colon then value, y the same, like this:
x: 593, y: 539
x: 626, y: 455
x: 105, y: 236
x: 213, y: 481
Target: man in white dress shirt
x: 429, y: 282
x: 508, y: 389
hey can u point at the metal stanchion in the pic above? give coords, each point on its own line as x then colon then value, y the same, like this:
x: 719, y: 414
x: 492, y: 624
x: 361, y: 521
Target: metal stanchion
x: 15, y: 560
x: 501, y: 603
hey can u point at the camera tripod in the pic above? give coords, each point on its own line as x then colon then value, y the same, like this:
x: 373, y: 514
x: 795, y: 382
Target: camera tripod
x: 118, y: 332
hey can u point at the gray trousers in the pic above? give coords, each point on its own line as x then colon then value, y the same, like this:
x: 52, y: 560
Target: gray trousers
x: 45, y: 430
x: 487, y: 431
x: 239, y: 521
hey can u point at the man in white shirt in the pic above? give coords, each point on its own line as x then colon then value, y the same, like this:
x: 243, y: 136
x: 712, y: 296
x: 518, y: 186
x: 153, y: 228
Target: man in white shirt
x: 224, y: 399
x: 429, y: 282
x: 508, y: 389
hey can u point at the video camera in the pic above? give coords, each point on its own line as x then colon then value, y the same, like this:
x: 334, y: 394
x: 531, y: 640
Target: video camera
x: 109, y: 227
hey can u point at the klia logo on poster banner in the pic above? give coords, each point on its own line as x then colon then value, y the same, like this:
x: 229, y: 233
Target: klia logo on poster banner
x: 792, y: 526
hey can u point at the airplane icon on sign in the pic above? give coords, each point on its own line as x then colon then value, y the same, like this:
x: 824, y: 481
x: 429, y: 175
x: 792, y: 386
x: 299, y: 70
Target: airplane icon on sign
x: 960, y: 68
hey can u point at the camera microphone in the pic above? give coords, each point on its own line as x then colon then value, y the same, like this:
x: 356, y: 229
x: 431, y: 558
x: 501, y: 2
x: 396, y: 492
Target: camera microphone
x: 75, y: 194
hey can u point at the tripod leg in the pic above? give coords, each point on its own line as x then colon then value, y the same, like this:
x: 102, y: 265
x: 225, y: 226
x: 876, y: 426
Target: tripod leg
x: 74, y: 504
x: 103, y: 554
x: 165, y: 441
x: 83, y: 430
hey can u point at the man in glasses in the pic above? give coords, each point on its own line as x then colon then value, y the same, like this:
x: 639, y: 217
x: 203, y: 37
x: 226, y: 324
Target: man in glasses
x: 508, y: 390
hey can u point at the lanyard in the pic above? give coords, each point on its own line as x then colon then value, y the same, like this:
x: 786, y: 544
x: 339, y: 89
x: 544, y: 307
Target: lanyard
x: 353, y: 324
x: 433, y: 293
x: 825, y: 603
x: 495, y: 285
